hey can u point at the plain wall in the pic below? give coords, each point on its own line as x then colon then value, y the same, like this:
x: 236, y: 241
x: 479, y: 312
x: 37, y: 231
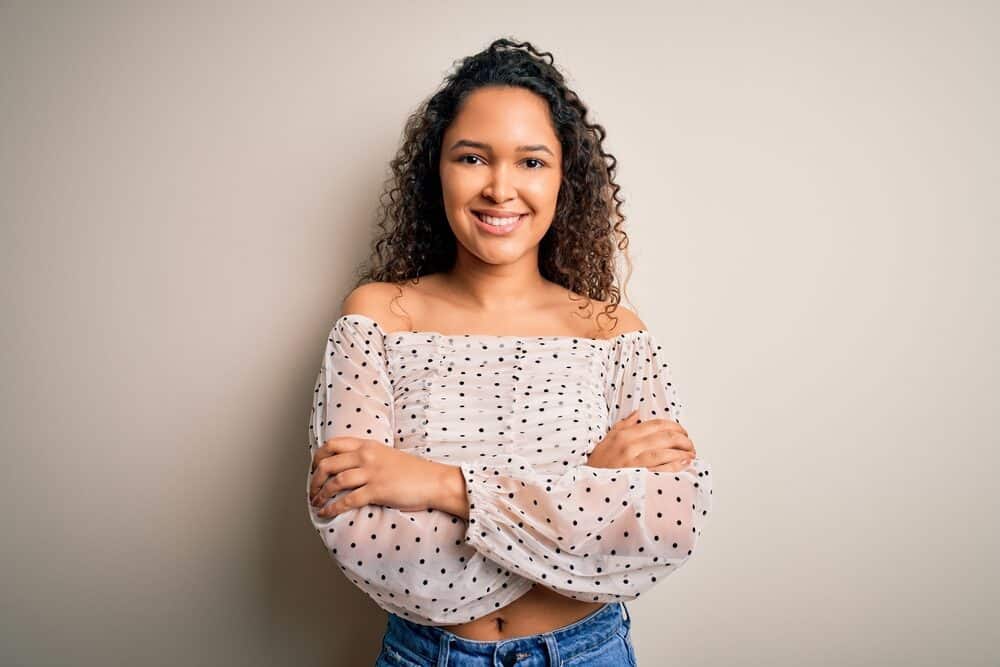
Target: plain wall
x: 811, y: 193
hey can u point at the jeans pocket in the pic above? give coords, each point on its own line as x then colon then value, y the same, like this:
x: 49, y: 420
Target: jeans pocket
x: 625, y: 635
x: 390, y: 657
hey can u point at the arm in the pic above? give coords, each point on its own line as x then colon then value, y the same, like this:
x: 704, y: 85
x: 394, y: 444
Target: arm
x: 453, y: 498
x: 414, y: 564
x: 595, y: 533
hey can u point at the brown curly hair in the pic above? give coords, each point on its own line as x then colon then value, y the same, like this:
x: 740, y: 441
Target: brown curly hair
x: 579, y: 250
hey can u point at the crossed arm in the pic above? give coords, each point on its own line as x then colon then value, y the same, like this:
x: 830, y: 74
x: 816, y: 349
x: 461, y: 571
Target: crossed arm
x: 605, y: 532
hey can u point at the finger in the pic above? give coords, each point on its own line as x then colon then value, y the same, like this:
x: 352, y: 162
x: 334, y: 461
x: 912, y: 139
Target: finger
x: 317, y: 455
x: 655, y: 457
x: 330, y: 447
x: 676, y: 466
x: 353, y: 499
x: 334, y: 446
x: 326, y: 470
x: 682, y: 461
x: 330, y: 466
x: 343, y: 443
x: 325, y: 492
x: 628, y: 419
x: 637, y: 442
x: 659, y: 424
x: 348, y: 479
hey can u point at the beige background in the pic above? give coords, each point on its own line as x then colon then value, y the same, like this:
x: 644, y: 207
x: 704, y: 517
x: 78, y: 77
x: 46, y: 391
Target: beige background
x: 812, y: 198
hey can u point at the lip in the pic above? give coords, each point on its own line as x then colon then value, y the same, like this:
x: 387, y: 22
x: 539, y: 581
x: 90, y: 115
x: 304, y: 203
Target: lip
x: 495, y: 230
x: 498, y: 212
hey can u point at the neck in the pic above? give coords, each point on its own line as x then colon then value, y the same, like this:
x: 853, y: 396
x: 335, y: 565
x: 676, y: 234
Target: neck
x: 497, y: 287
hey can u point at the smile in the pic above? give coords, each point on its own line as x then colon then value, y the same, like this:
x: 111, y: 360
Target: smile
x: 498, y: 226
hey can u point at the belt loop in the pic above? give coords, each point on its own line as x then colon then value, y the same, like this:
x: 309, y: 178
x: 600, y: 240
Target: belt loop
x: 625, y: 614
x: 443, y: 647
x: 550, y: 643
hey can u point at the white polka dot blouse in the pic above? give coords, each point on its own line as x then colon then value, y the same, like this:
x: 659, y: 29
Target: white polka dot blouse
x: 519, y: 415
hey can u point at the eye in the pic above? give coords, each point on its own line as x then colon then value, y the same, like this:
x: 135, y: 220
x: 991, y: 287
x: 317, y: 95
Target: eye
x: 462, y: 158
x: 540, y: 163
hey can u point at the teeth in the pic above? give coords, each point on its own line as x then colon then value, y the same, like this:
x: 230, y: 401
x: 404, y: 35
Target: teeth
x: 498, y: 222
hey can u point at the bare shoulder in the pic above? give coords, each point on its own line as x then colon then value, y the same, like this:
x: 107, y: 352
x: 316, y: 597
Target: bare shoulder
x: 627, y: 321
x: 603, y: 323
x: 375, y: 301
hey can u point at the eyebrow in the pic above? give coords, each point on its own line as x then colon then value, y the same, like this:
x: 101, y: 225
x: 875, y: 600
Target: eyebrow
x: 521, y: 149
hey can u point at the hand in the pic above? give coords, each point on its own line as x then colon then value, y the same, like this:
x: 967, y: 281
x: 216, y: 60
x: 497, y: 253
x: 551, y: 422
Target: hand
x: 660, y: 445
x: 380, y: 475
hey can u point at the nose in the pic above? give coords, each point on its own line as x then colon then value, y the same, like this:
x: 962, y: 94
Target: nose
x: 500, y: 188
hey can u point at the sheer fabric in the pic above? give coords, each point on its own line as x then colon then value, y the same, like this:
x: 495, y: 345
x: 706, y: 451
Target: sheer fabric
x: 519, y: 416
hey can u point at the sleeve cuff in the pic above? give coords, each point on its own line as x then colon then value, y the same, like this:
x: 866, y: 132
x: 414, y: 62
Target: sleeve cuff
x: 478, y: 521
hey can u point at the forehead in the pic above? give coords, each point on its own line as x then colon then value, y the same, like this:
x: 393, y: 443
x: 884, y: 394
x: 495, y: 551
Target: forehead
x: 503, y: 117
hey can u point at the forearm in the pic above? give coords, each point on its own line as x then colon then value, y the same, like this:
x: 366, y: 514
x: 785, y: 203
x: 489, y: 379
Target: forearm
x: 452, y: 496
x: 602, y: 532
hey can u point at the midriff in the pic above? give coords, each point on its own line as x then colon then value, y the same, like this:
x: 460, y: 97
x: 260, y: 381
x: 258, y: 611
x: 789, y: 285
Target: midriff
x: 539, y: 610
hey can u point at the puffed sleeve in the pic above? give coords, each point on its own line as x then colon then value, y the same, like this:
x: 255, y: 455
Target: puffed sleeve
x: 596, y: 534
x: 413, y: 564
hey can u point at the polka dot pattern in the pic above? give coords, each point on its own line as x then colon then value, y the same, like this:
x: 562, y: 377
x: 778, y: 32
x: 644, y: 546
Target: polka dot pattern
x: 519, y: 416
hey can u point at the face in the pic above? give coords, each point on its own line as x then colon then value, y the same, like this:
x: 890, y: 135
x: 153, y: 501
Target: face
x: 501, y: 152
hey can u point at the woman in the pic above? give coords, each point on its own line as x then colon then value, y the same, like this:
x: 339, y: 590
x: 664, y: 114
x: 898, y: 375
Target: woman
x: 495, y: 469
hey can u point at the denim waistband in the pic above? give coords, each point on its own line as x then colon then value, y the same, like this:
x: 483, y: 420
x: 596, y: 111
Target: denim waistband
x: 434, y: 643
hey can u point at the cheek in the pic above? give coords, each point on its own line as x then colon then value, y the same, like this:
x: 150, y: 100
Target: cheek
x: 543, y: 193
x: 456, y: 185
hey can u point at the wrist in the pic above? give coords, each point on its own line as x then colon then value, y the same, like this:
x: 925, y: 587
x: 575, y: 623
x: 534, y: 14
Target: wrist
x: 451, y: 496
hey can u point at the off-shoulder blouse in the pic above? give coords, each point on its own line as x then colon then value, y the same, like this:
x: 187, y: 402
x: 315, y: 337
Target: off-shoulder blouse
x: 519, y: 415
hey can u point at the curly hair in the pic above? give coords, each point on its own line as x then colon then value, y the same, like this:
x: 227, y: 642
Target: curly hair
x: 578, y: 251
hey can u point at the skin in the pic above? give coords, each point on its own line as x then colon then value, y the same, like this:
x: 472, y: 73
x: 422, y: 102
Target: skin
x: 494, y: 288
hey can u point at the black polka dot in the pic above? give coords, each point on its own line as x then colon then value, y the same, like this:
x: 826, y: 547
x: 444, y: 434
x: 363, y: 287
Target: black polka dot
x: 518, y: 416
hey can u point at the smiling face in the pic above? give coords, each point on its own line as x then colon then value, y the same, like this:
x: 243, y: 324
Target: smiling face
x: 500, y: 154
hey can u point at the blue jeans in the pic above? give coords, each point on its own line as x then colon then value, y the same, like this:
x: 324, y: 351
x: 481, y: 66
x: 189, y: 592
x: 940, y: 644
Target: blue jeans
x: 602, y: 638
